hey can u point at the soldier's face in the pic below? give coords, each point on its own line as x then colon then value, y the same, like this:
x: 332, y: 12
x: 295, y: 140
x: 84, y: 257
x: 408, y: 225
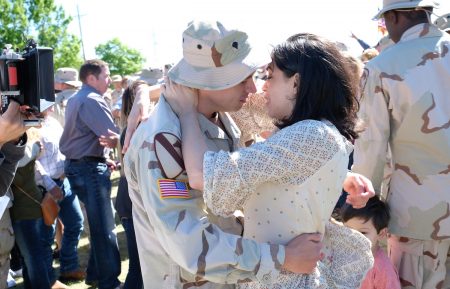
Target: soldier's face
x: 391, y: 21
x: 230, y: 99
x: 117, y: 85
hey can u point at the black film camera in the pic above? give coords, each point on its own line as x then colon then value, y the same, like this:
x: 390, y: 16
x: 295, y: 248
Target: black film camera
x: 27, y: 77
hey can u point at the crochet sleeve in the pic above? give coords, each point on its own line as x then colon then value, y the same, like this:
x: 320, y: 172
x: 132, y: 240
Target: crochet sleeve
x: 291, y: 155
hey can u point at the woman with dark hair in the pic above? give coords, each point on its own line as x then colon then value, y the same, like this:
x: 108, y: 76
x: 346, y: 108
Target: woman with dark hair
x: 289, y: 184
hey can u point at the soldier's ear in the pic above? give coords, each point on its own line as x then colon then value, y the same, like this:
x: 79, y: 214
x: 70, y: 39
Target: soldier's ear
x: 391, y: 16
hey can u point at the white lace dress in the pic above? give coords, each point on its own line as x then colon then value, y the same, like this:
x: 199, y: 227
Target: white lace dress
x: 286, y: 186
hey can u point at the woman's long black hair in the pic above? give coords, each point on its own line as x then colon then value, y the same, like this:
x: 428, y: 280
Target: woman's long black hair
x: 326, y: 89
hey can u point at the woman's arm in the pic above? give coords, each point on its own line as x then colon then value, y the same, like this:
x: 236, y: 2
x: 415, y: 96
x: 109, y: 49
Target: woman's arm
x: 183, y: 101
x: 194, y: 145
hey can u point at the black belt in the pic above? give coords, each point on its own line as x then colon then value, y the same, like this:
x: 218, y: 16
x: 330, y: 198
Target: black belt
x: 89, y: 159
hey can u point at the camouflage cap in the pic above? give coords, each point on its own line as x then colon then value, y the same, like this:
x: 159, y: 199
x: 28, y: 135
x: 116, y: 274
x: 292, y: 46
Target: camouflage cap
x: 116, y: 78
x: 215, y: 58
x: 149, y: 75
x: 405, y: 4
x: 67, y: 75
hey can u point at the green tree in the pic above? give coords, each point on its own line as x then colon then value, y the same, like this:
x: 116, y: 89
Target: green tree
x: 44, y: 21
x: 121, y: 59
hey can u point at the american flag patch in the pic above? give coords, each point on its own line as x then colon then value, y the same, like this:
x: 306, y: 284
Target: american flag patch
x: 172, y: 189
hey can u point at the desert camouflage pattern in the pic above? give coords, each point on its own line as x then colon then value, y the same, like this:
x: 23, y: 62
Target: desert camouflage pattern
x: 61, y: 99
x: 406, y: 106
x: 427, y: 262
x: 180, y: 244
x: 115, y: 96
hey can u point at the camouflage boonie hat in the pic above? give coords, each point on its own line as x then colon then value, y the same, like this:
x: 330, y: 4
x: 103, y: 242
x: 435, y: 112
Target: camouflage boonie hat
x: 215, y: 58
x: 404, y: 4
x: 67, y: 75
x: 150, y: 75
x: 116, y: 78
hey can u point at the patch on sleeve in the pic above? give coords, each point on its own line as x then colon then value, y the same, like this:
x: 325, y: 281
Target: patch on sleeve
x: 168, y: 153
x: 173, y: 189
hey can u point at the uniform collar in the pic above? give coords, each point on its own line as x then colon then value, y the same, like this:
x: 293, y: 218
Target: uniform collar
x: 212, y: 131
x: 64, y: 95
x: 420, y: 31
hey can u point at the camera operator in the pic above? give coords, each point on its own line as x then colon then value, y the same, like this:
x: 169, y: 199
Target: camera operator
x: 12, y: 147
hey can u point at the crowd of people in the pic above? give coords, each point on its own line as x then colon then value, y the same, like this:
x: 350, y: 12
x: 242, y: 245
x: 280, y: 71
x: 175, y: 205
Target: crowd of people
x: 234, y: 171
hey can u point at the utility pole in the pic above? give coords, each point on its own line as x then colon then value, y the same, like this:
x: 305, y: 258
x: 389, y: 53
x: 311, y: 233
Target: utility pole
x: 81, y: 33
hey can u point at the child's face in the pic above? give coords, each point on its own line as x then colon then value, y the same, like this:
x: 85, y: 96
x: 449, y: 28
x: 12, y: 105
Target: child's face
x: 365, y: 228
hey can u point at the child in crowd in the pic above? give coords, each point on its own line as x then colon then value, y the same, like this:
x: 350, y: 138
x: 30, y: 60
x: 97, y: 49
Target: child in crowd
x: 372, y: 222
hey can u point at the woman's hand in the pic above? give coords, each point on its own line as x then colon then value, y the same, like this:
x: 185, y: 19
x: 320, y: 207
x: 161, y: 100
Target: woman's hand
x: 181, y: 98
x: 359, y: 189
x: 139, y: 112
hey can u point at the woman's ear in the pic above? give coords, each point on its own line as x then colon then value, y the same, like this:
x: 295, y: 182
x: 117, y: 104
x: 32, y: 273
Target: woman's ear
x: 296, y: 80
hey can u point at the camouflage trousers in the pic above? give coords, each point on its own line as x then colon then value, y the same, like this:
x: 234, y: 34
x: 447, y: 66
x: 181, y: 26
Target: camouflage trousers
x: 6, y: 244
x: 421, y: 264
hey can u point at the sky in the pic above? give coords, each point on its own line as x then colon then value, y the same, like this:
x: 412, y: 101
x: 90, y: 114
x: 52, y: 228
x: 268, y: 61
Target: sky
x: 155, y: 28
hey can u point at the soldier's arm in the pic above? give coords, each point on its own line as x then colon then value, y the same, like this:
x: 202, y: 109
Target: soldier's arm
x: 371, y: 146
x: 183, y: 230
x: 201, y: 248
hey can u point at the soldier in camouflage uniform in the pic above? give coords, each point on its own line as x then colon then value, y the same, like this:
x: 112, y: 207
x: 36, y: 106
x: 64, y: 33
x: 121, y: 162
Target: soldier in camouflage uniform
x: 66, y: 86
x: 406, y: 107
x: 180, y: 244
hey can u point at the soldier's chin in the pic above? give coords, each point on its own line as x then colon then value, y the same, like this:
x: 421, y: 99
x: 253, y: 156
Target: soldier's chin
x: 237, y: 107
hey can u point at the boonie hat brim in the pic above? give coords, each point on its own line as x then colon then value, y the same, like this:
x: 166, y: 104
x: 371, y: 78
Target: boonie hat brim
x: 406, y: 5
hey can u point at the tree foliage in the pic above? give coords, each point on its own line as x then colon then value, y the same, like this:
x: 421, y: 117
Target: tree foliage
x: 44, y: 21
x: 121, y: 59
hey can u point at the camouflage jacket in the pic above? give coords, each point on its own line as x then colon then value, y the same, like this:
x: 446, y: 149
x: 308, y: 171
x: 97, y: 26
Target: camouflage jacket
x: 181, y: 245
x: 61, y: 99
x: 406, y: 106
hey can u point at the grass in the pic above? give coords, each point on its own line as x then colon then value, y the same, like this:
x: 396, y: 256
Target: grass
x: 83, y: 248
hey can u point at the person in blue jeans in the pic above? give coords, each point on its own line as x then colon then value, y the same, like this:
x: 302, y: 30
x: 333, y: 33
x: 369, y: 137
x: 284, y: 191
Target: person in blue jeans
x: 72, y: 218
x: 87, y: 118
x: 29, y: 227
x: 50, y: 175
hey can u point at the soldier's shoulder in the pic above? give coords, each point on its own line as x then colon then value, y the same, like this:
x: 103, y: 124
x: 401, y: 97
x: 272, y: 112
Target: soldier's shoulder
x: 167, y: 148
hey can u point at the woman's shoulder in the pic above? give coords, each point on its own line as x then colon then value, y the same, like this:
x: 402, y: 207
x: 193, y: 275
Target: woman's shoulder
x: 312, y: 128
x: 315, y: 133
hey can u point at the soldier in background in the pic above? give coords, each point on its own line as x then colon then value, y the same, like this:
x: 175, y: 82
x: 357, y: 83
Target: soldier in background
x: 406, y: 107
x: 116, y: 94
x: 66, y: 85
